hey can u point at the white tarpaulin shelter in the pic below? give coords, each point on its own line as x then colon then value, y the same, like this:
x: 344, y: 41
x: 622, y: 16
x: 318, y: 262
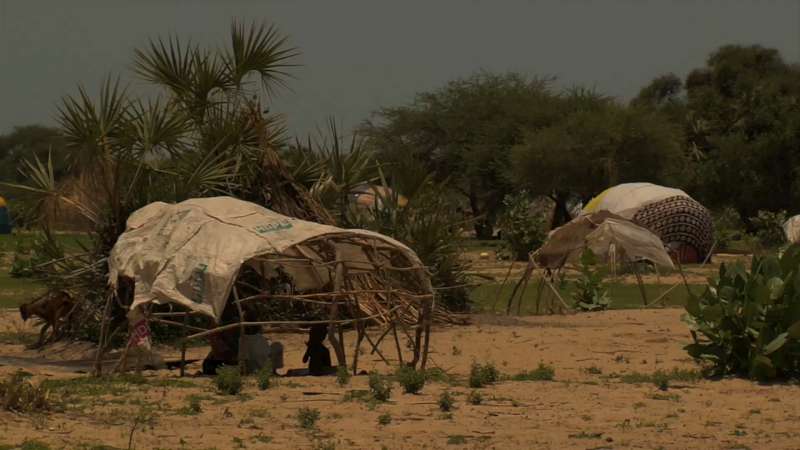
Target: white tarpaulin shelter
x: 191, y: 253
x: 791, y: 228
x: 625, y: 199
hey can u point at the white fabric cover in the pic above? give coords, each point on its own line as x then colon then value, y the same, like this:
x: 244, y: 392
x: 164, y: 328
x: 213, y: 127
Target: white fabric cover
x: 629, y: 241
x: 190, y: 253
x: 625, y: 199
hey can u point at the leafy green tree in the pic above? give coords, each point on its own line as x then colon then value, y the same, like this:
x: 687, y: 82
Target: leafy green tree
x: 594, y: 148
x: 463, y: 132
x: 741, y: 120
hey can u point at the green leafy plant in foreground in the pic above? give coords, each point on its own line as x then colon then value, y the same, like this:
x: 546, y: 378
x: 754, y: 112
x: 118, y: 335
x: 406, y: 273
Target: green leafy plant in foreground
x: 411, y: 379
x: 591, y: 293
x: 748, y: 322
x: 228, y: 380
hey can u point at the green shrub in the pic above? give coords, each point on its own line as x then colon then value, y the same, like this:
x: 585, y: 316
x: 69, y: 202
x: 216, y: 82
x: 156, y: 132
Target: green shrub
x: 768, y: 227
x: 522, y: 225
x: 379, y: 387
x: 748, y: 322
x: 307, y: 418
x: 475, y: 398
x: 342, y: 376
x: 591, y: 293
x: 228, y: 380
x: 264, y: 377
x: 411, y: 379
x: 543, y: 372
x: 446, y: 401
x: 385, y: 419
x: 482, y: 375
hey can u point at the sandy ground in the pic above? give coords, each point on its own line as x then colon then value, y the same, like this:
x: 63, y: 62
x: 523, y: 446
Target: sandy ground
x: 587, y: 406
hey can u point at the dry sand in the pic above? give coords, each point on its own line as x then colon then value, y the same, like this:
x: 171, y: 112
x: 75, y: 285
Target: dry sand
x: 582, y: 408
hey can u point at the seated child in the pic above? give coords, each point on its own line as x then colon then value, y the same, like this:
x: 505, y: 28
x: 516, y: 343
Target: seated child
x: 317, y: 355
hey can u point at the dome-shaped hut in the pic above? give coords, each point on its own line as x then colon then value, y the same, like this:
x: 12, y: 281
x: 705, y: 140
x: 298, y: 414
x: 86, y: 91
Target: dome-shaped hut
x: 684, y: 225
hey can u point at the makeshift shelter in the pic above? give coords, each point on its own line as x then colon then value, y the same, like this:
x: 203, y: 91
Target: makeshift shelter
x: 5, y: 218
x: 610, y: 237
x: 791, y: 229
x: 194, y: 256
x: 682, y: 223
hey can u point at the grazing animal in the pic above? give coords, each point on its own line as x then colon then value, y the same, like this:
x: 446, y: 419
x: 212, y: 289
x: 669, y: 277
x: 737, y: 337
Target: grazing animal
x: 317, y: 355
x: 51, y: 307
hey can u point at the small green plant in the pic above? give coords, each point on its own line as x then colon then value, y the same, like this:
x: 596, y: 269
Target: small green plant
x: 411, y: 379
x: 194, y: 406
x: 385, y: 419
x: 543, y: 372
x: 18, y: 394
x: 324, y: 445
x: 446, y: 402
x: 228, y: 380
x: 748, y: 322
x: 591, y: 293
x: 482, y: 375
x: 475, y: 398
x: 728, y: 228
x: 522, y: 224
x: 379, y: 387
x: 456, y: 439
x: 594, y: 370
x: 264, y: 377
x: 307, y: 418
x: 342, y: 376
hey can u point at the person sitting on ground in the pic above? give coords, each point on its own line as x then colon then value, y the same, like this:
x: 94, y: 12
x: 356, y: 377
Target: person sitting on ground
x: 317, y: 355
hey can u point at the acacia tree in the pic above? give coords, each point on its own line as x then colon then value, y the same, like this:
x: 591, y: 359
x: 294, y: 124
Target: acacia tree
x: 592, y: 149
x: 463, y: 133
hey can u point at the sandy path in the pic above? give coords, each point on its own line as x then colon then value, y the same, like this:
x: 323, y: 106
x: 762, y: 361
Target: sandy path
x: 580, y: 409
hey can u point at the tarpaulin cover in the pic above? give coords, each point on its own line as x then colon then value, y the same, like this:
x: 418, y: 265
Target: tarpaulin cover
x: 625, y: 199
x: 190, y: 253
x: 605, y: 234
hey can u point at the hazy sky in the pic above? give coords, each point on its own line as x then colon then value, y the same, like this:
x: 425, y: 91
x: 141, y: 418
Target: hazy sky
x: 360, y: 55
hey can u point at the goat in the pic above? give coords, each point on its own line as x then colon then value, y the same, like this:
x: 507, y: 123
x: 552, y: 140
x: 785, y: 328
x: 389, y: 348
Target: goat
x: 51, y: 307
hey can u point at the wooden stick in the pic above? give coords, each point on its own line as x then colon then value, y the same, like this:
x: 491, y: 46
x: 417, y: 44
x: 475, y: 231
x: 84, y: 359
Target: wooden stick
x: 338, y: 280
x: 499, y: 290
x: 242, y: 359
x: 98, y: 361
x: 376, y: 349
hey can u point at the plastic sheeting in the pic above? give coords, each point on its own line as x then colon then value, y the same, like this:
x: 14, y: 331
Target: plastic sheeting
x: 190, y: 253
x: 625, y: 199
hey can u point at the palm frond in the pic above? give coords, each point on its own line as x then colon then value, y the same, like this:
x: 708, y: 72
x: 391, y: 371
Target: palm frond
x: 260, y: 49
x: 169, y: 64
x: 156, y: 129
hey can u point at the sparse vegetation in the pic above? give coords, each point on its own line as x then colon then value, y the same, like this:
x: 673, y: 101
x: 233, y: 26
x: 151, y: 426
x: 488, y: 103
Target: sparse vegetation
x: 264, y: 377
x: 475, y: 398
x: 228, y: 380
x: 384, y: 419
x: 380, y: 387
x: 19, y: 395
x: 662, y: 378
x: 342, y: 376
x: 543, y: 372
x: 307, y: 418
x: 446, y: 401
x: 410, y: 379
x: 482, y: 375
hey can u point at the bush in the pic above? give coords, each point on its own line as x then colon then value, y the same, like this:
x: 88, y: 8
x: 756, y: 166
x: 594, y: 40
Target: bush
x: 475, y: 398
x: 385, y: 419
x: 482, y: 375
x: 379, y: 387
x: 307, y: 418
x: 228, y: 380
x: 19, y: 395
x: 264, y: 377
x: 342, y: 376
x: 591, y: 293
x: 543, y: 372
x: 769, y: 228
x: 522, y: 225
x: 446, y: 401
x: 411, y: 379
x: 748, y: 322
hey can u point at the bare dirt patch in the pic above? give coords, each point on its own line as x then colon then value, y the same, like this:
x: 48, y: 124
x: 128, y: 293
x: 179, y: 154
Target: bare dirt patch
x: 603, y: 396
